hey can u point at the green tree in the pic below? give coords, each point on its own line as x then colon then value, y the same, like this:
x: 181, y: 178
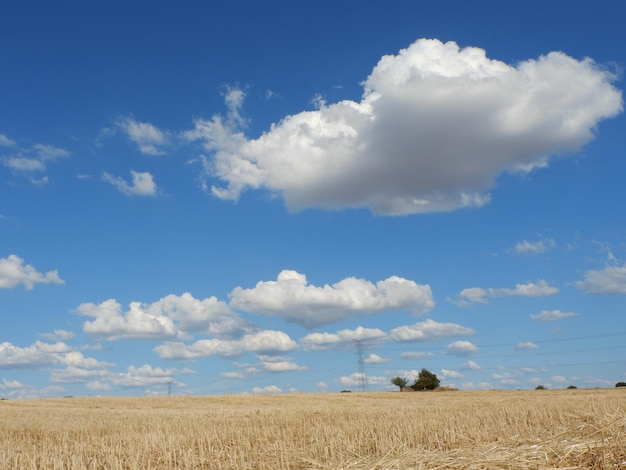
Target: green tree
x: 400, y: 382
x: 426, y: 380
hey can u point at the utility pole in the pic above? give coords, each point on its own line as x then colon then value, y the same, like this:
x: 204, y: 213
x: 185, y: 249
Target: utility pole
x: 359, y: 355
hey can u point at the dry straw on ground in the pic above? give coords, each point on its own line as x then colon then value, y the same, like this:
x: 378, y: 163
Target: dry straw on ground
x: 580, y: 429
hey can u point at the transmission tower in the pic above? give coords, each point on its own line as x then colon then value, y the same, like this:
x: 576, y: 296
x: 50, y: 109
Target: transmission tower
x: 359, y: 355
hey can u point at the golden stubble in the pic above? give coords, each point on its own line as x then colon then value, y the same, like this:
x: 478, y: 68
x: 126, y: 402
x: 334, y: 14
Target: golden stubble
x: 536, y: 429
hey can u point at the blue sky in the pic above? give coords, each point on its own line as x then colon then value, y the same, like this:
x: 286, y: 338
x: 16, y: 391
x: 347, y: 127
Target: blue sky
x: 230, y: 199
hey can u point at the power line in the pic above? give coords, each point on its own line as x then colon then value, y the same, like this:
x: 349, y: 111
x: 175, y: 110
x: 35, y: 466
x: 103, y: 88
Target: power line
x: 359, y: 354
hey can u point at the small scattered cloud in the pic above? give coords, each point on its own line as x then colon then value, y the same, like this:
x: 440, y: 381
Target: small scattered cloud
x: 470, y: 296
x: 32, y: 160
x: 429, y: 330
x: 43, y: 181
x: 6, y: 142
x: 322, y: 386
x: 265, y: 342
x: 170, y: 317
x: 146, y: 375
x: 461, y: 348
x: 267, y: 389
x: 97, y: 386
x: 354, y: 380
x: 610, y: 280
x: 270, y: 95
x: 470, y: 365
x: 271, y: 363
x: 49, y: 152
x: 233, y: 375
x: 376, y: 359
x: 553, y: 315
x: 149, y: 139
x: 58, y: 335
x: 479, y: 295
x: 479, y: 386
x: 451, y: 374
x: 14, y: 272
x: 143, y: 184
x: 42, y: 354
x: 24, y: 164
x: 413, y: 355
x: 501, y: 376
x: 292, y: 298
x: 534, y: 248
x: 111, y: 323
x: 101, y: 378
x: 525, y: 346
x: 15, y: 389
x: 234, y: 98
x: 342, y: 339
x: 531, y: 289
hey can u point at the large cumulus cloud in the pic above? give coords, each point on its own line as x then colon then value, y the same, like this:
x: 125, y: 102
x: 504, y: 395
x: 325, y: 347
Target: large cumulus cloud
x: 434, y: 128
x: 292, y: 298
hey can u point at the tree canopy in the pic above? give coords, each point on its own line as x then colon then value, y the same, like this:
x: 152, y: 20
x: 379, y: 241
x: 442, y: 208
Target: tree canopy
x: 426, y: 380
x: 400, y: 382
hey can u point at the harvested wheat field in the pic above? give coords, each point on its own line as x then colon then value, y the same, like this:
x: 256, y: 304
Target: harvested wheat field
x: 421, y: 430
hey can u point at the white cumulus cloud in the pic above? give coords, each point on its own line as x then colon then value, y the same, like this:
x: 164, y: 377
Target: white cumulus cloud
x: 208, y: 315
x: 112, y: 323
x: 143, y: 184
x: 42, y: 354
x: 435, y: 126
x: 451, y: 374
x: 263, y: 342
x: 278, y: 364
x: 610, y: 280
x: 170, y: 317
x: 13, y: 272
x: 321, y: 341
x: 461, y: 348
x: 428, y: 330
x: 143, y: 376
x: 375, y: 359
x: 292, y: 298
x: 354, y: 380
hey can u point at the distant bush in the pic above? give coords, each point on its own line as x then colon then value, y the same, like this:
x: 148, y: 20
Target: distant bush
x: 346, y: 391
x: 400, y: 382
x: 426, y: 380
x: 540, y: 387
x: 572, y: 387
x: 620, y: 384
